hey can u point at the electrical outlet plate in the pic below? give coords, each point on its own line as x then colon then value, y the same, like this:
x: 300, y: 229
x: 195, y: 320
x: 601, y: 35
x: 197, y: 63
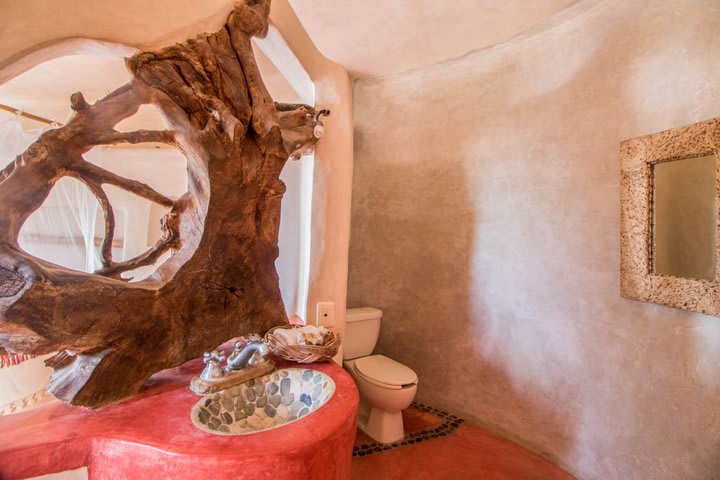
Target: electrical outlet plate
x: 325, y: 314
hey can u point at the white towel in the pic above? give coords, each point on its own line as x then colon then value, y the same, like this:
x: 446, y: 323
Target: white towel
x: 288, y: 335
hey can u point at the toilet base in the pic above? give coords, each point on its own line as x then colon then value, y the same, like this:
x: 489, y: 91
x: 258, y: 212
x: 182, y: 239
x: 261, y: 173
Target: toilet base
x: 382, y: 426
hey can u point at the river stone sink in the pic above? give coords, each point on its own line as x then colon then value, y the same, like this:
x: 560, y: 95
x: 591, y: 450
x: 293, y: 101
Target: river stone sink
x: 271, y: 401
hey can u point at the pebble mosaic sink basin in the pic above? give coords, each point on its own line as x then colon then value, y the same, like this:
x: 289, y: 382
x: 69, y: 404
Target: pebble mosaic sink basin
x: 271, y: 401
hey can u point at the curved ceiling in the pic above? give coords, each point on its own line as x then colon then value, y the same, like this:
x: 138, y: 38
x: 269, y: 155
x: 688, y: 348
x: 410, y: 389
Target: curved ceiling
x: 138, y: 23
x: 383, y: 37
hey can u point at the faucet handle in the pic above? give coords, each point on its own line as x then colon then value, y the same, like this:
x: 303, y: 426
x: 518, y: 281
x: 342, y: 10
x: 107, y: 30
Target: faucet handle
x: 214, y: 356
x: 213, y: 365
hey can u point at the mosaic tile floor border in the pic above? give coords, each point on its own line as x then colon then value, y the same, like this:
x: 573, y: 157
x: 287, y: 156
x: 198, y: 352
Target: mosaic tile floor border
x: 449, y: 424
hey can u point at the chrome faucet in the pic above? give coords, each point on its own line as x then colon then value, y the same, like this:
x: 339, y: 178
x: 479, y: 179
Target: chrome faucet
x: 246, y: 354
x: 247, y: 361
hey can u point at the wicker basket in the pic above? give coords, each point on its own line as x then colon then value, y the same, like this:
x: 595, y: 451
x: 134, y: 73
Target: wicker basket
x: 303, y: 353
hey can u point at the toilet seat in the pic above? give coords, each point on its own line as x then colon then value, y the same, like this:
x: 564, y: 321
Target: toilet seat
x: 385, y: 372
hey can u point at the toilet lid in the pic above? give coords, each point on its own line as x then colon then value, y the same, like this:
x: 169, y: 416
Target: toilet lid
x: 385, y: 370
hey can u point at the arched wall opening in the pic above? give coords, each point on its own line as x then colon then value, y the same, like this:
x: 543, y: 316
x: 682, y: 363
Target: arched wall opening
x: 70, y: 229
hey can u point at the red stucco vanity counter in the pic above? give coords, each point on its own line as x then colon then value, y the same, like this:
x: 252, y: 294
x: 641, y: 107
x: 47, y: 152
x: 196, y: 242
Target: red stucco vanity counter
x: 152, y: 436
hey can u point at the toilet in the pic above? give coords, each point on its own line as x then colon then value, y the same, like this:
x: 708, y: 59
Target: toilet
x: 386, y: 387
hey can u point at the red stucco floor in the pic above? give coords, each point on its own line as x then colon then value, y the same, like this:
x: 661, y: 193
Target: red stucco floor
x: 467, y: 452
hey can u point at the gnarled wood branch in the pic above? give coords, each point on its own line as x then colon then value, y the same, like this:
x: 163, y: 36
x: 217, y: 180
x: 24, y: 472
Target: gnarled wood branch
x: 109, y: 214
x: 139, y: 136
x: 98, y: 175
x: 220, y: 281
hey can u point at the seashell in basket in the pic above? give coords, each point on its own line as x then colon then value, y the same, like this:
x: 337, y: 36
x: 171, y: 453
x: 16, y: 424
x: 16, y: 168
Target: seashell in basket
x: 303, y: 353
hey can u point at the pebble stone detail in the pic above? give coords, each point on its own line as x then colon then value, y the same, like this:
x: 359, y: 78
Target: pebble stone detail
x: 449, y: 424
x: 264, y: 403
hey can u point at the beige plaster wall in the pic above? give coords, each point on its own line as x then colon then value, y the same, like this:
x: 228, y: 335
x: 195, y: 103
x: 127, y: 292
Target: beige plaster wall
x: 333, y: 169
x: 374, y: 38
x: 29, y: 24
x: 485, y: 224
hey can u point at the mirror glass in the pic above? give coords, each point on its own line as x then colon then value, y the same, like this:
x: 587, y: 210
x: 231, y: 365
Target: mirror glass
x: 685, y: 223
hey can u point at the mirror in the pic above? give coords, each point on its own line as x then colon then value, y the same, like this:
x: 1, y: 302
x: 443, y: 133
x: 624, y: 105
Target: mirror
x: 669, y: 232
x: 685, y: 218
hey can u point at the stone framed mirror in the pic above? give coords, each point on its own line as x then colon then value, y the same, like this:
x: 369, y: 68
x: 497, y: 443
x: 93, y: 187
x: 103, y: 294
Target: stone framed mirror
x: 670, y: 234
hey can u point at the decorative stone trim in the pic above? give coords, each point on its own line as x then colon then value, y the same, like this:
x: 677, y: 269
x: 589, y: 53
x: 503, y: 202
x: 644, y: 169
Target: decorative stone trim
x: 24, y: 403
x: 638, y: 157
x: 450, y: 423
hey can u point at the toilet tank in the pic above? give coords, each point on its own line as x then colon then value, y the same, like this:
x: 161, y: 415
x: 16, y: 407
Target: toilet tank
x: 362, y: 328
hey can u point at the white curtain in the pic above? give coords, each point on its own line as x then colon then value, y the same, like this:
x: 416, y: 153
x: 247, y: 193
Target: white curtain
x: 63, y: 230
x: 68, y: 228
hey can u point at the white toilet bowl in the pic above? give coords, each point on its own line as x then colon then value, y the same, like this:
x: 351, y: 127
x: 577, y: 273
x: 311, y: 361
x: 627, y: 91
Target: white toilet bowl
x: 386, y: 388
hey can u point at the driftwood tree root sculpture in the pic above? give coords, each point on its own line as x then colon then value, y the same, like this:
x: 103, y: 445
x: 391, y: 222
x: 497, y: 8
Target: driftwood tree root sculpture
x: 112, y: 335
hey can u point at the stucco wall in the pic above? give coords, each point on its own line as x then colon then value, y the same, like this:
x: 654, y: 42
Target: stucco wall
x: 485, y: 224
x: 333, y: 170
